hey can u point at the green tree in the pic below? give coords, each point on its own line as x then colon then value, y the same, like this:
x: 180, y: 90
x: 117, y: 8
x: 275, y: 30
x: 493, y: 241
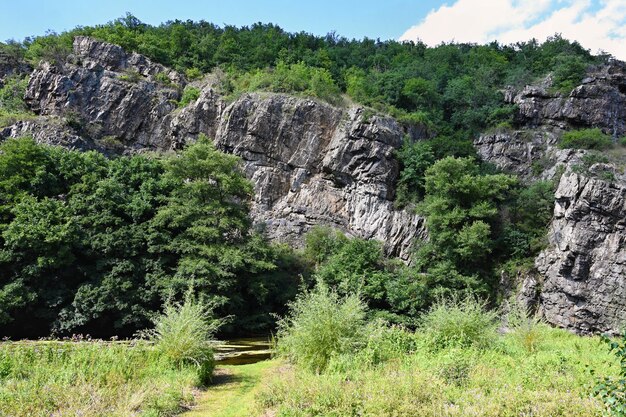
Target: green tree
x: 461, y: 209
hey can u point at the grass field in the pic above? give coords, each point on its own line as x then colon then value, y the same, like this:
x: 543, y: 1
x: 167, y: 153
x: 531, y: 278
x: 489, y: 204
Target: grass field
x: 92, y: 378
x: 553, y: 378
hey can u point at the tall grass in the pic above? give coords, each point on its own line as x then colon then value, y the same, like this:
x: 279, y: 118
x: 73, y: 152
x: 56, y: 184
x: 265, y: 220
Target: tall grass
x: 94, y: 378
x: 460, y: 323
x: 321, y: 325
x: 43, y: 379
x: 493, y: 381
x: 455, y: 364
x: 183, y: 334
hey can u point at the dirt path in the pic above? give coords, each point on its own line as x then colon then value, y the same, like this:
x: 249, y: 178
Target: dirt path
x: 233, y: 389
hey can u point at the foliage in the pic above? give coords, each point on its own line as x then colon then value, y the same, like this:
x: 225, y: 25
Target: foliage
x: 189, y: 94
x: 526, y: 327
x: 89, y: 244
x: 612, y: 390
x: 90, y: 378
x: 585, y: 139
x: 460, y: 323
x: 415, y: 158
x: 131, y: 76
x: 321, y: 325
x: 461, y: 210
x: 12, y: 105
x: 391, y: 290
x: 293, y: 78
x: 183, y: 333
x: 530, y: 211
x: 501, y: 380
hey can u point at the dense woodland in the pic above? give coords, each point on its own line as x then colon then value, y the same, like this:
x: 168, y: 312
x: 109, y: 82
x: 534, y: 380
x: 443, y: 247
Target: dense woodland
x: 96, y: 245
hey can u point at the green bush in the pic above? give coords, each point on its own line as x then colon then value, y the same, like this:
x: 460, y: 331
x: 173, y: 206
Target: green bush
x: 183, y: 334
x: 130, y: 76
x: 189, y: 94
x: 193, y: 73
x: 585, y: 139
x: 163, y: 79
x: 12, y: 105
x: 297, y: 78
x: 525, y: 327
x: 321, y: 325
x: 459, y: 323
x: 612, y: 390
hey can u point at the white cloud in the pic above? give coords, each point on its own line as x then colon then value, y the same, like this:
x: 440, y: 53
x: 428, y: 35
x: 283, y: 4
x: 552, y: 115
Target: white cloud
x: 597, y: 27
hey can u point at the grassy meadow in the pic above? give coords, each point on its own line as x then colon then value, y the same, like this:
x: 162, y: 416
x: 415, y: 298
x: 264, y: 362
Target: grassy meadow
x: 90, y: 378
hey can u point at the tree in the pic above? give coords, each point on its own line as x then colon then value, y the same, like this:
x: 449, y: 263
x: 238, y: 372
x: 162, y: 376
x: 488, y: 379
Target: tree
x: 461, y: 208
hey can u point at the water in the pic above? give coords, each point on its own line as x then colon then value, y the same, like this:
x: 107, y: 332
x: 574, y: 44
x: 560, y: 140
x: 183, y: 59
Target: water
x: 243, y: 351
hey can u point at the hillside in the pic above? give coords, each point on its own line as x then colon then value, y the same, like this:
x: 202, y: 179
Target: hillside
x: 352, y: 150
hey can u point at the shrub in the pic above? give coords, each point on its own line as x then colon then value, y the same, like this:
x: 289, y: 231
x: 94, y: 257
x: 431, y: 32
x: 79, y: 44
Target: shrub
x: 193, y: 73
x: 585, y: 139
x: 387, y: 342
x: 183, y: 332
x: 525, y: 326
x: 130, y: 76
x: 459, y: 323
x: 163, y: 79
x: 292, y: 78
x: 189, y: 94
x: 612, y: 391
x: 321, y: 325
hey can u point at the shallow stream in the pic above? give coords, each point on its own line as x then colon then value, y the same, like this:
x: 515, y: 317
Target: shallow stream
x: 243, y: 351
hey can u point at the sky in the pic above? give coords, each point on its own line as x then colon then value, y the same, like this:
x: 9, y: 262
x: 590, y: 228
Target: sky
x: 599, y: 25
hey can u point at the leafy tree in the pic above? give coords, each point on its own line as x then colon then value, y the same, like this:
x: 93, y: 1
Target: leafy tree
x: 415, y: 158
x: 95, y: 245
x: 461, y: 210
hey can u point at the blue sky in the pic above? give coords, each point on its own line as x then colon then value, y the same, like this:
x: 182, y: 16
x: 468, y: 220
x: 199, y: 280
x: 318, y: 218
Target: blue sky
x: 376, y: 19
x: 596, y: 24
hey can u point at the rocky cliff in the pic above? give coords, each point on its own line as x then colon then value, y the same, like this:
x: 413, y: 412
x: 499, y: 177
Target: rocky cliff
x: 580, y: 278
x: 311, y: 163
x: 584, y: 268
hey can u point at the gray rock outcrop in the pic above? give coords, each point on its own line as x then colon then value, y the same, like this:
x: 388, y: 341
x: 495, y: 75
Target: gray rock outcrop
x: 311, y: 163
x: 584, y: 267
x: 580, y: 278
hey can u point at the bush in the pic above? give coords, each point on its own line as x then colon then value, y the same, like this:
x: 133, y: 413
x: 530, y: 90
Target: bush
x: 612, y: 391
x: 193, y: 73
x: 459, y: 323
x: 183, y: 333
x: 293, y: 79
x: 189, y: 94
x: 585, y: 139
x: 321, y: 325
x: 130, y: 76
x: 525, y: 327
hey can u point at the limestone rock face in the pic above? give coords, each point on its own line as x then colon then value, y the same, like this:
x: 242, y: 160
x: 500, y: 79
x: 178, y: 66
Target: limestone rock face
x: 584, y: 268
x: 311, y: 163
x: 599, y: 102
x: 580, y: 279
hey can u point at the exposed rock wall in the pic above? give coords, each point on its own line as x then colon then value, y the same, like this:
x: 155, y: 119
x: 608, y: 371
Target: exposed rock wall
x: 580, y: 278
x: 584, y: 267
x: 311, y: 163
